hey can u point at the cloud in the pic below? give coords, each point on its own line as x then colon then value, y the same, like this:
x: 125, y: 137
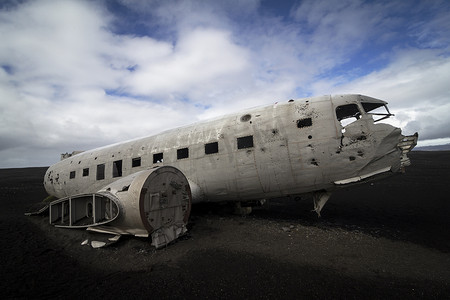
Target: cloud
x: 59, y: 42
x: 200, y: 59
x: 57, y: 61
x: 80, y: 74
x: 68, y: 82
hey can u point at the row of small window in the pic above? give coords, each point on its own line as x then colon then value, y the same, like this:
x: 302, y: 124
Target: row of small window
x: 117, y: 169
x: 210, y: 148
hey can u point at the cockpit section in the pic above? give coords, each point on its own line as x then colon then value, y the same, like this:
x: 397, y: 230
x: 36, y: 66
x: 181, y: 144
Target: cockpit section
x: 349, y: 113
x: 359, y: 119
x: 371, y: 145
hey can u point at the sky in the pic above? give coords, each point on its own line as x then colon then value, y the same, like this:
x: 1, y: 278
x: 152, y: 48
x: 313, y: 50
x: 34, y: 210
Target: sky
x: 76, y: 75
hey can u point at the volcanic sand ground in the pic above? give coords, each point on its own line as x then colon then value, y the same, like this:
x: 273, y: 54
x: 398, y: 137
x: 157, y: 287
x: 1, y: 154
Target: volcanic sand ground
x: 387, y: 239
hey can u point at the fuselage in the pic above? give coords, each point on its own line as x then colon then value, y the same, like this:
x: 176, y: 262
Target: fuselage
x: 290, y: 148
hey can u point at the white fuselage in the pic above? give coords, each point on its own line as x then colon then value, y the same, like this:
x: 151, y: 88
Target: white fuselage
x: 284, y: 149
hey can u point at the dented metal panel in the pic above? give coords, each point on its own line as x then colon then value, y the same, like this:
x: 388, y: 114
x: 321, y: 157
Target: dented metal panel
x: 312, y: 145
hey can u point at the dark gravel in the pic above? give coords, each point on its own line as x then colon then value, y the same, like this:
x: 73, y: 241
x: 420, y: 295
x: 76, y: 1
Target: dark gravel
x: 388, y: 239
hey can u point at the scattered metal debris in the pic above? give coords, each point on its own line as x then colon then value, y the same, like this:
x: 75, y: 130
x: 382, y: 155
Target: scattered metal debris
x: 97, y: 244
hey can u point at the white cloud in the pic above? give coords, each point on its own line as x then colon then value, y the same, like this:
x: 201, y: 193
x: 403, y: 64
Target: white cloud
x: 200, y: 59
x: 58, y: 42
x: 70, y: 81
x: 58, y: 60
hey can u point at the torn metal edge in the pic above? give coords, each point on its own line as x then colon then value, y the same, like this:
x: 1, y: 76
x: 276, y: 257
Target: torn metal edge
x: 359, y: 178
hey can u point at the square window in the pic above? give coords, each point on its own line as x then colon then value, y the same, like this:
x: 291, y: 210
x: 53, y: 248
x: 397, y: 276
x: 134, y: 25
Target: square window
x: 347, y: 114
x: 245, y: 142
x: 136, y: 162
x: 85, y: 172
x: 72, y: 175
x: 100, y: 172
x: 182, y: 153
x: 211, y: 148
x: 157, y: 158
x: 117, y: 168
x: 304, y: 122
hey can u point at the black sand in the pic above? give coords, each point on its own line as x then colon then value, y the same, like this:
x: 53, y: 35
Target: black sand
x: 389, y: 239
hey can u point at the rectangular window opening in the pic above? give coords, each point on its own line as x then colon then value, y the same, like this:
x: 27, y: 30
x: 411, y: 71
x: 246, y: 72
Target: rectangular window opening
x: 158, y: 158
x: 72, y: 175
x: 182, y: 153
x: 117, y: 168
x: 100, y: 172
x: 347, y: 114
x: 245, y: 142
x: 304, y: 122
x: 136, y: 162
x: 85, y: 172
x: 211, y: 148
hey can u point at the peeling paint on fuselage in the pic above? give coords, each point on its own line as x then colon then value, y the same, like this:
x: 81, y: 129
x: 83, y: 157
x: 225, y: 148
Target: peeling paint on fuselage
x: 286, y: 158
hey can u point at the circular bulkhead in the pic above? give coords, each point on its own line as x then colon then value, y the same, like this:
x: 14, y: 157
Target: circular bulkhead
x: 153, y: 202
x: 165, y: 199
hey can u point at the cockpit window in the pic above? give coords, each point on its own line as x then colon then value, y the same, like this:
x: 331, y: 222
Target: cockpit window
x: 347, y: 114
x: 379, y: 111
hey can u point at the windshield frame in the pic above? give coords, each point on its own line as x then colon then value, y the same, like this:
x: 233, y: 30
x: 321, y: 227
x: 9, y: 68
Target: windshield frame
x: 369, y: 106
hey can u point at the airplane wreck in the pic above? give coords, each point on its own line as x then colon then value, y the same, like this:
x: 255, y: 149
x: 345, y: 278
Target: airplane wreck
x: 145, y: 187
